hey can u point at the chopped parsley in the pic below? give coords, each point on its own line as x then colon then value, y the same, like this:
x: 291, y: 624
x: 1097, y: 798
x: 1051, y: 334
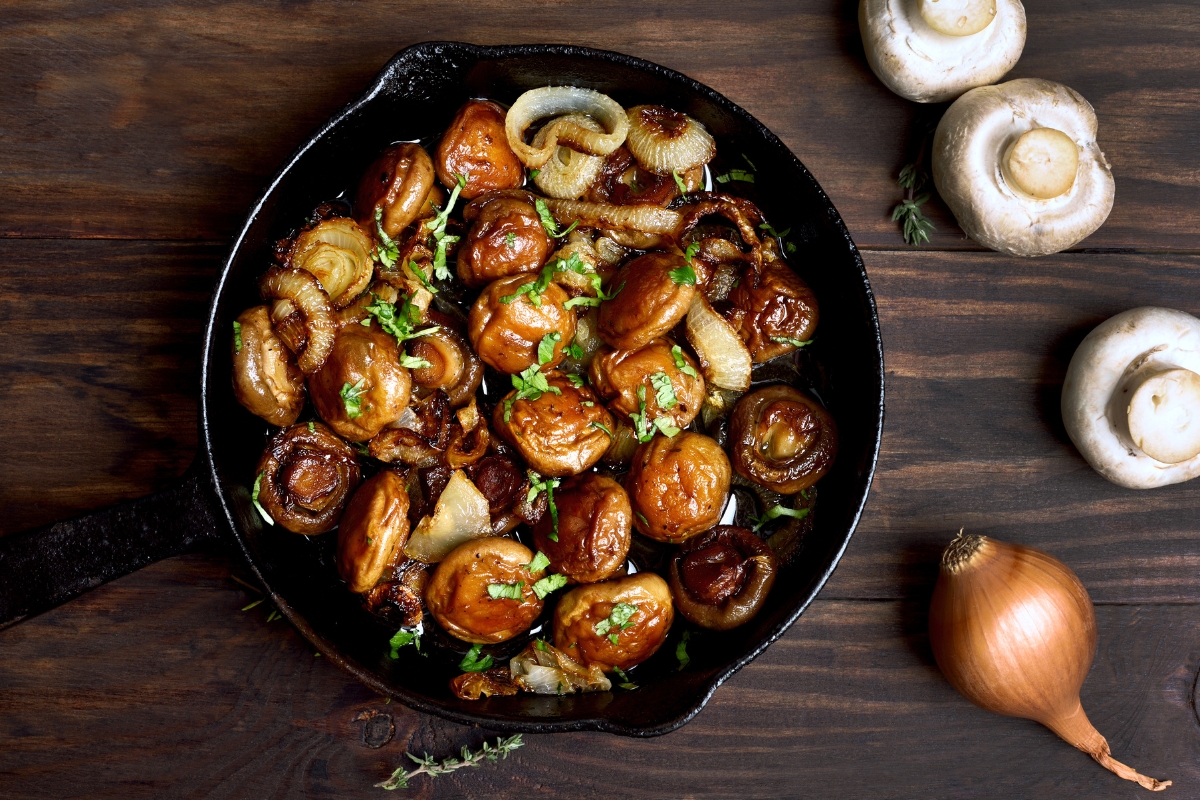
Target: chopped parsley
x: 533, y: 173
x: 546, y: 347
x: 548, y: 220
x: 312, y: 427
x: 766, y: 226
x: 681, y: 653
x: 352, y: 398
x: 237, y: 337
x: 625, y: 682
x: 642, y: 517
x: 505, y: 591
x: 584, y: 300
x: 548, y: 584
x: 643, y: 426
x: 534, y: 288
x: 438, y: 231
x: 389, y: 250
x: 683, y: 276
x: 681, y: 365
x: 538, y: 484
x: 416, y: 270
x: 574, y: 350
x: 472, y: 662
x: 751, y: 163
x: 540, y: 644
x: 539, y: 563
x: 404, y: 638
x: 578, y: 381
x: 679, y: 182
x: 791, y: 341
x: 530, y: 385
x: 601, y: 426
x: 254, y: 499
x: 775, y: 512
x: 400, y: 323
x: 664, y: 392
x: 619, y: 618
x: 412, y: 362
x: 736, y: 175
x: 510, y: 239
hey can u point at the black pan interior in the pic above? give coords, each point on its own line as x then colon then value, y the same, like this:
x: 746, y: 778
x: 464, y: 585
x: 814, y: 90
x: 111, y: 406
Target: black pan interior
x: 415, y: 97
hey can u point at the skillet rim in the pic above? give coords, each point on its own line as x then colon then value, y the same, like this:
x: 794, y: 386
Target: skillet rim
x: 420, y: 702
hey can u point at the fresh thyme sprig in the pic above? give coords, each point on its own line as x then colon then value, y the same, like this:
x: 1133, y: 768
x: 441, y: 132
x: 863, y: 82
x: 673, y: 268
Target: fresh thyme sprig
x: 916, y: 227
x: 432, y: 767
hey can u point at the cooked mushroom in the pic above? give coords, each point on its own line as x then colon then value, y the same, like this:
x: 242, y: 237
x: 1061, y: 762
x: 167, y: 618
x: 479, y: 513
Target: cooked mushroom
x: 616, y: 623
x: 932, y: 51
x: 1131, y: 398
x: 266, y: 380
x: 453, y: 366
x: 775, y: 314
x: 373, y: 527
x: 399, y: 187
x: 671, y: 385
x: 362, y: 387
x: 590, y: 539
x: 678, y: 486
x: 561, y: 431
x: 782, y: 439
x: 665, y: 141
x: 338, y: 253
x: 475, y: 146
x: 648, y: 302
x: 512, y: 316
x: 721, y: 579
x: 305, y: 476
x: 483, y: 591
x: 1019, y: 166
x: 506, y: 238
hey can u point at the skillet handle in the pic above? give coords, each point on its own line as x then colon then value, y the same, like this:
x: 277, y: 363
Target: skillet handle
x: 44, y: 567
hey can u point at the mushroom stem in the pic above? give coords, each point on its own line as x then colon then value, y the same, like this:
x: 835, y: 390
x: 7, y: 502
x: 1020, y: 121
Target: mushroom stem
x: 1042, y: 163
x: 1164, y: 416
x: 958, y: 17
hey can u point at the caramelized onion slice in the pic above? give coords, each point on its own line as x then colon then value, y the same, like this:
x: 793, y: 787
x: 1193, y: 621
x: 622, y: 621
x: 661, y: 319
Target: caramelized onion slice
x: 551, y: 101
x: 542, y: 668
x: 460, y: 516
x: 306, y: 294
x: 567, y: 174
x: 724, y: 357
x: 663, y: 140
x: 643, y: 219
x: 338, y: 252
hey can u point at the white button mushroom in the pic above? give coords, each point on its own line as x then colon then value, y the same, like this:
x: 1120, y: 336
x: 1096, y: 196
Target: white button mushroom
x: 1019, y: 166
x: 1131, y: 399
x: 932, y: 51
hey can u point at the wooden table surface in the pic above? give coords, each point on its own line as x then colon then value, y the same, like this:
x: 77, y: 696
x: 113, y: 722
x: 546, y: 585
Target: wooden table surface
x: 135, y: 134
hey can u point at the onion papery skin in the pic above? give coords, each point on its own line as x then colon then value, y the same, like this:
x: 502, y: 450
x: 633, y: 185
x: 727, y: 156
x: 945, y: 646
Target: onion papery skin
x: 553, y: 101
x: 1014, y: 631
x: 306, y: 294
x: 567, y: 174
x: 665, y: 141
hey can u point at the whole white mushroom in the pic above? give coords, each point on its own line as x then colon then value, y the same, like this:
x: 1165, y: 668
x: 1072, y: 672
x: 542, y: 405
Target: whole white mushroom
x: 1131, y: 399
x: 932, y: 51
x: 1019, y: 166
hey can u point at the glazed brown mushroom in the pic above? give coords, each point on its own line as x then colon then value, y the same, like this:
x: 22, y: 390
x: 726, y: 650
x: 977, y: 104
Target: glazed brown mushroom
x: 617, y: 623
x: 483, y: 593
x: 774, y: 313
x: 506, y: 325
x: 648, y: 301
x: 398, y: 184
x: 617, y: 374
x: 564, y: 431
x: 305, y: 476
x: 593, y: 532
x: 506, y: 237
x: 362, y: 387
x: 399, y: 600
x: 720, y: 580
x: 678, y: 486
x: 373, y: 526
x: 453, y: 366
x: 475, y: 145
x: 782, y: 439
x: 266, y: 380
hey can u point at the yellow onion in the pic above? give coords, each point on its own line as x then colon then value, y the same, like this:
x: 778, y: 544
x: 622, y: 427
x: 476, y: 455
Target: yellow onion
x: 723, y: 356
x: 1014, y: 631
x: 553, y: 101
x: 665, y: 141
x: 338, y: 253
x: 310, y: 300
x: 568, y: 173
x: 461, y: 515
x: 643, y: 219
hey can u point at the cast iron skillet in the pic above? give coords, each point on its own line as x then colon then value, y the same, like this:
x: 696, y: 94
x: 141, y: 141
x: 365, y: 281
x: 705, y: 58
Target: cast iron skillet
x: 414, y: 97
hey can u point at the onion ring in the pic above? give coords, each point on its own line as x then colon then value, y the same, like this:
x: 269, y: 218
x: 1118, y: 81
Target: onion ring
x: 550, y: 101
x: 665, y: 141
x: 305, y: 292
x: 644, y: 219
x: 567, y: 174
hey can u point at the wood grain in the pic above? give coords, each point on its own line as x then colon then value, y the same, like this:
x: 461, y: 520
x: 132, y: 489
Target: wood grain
x: 164, y: 120
x: 124, y: 693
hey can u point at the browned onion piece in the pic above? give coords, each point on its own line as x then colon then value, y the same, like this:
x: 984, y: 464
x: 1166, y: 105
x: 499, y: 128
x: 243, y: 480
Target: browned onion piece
x: 772, y: 312
x: 741, y: 212
x: 453, y: 366
x: 422, y: 436
x: 266, y: 380
x: 622, y: 183
x: 567, y: 174
x: 305, y: 293
x: 663, y: 140
x: 468, y: 442
x: 398, y: 183
x: 306, y: 478
x: 544, y: 669
x: 497, y: 682
x: 553, y: 101
x: 642, y: 219
x: 721, y: 579
x: 399, y: 600
x: 338, y: 252
x: 724, y: 358
x: 782, y: 439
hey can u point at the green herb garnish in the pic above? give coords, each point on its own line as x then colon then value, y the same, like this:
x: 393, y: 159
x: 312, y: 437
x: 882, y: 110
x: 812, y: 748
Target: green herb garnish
x: 404, y: 638
x: 736, y: 175
x: 916, y: 227
x: 775, y: 512
x: 791, y: 341
x: 679, y: 182
x: 237, y: 337
x: 545, y: 350
x: 548, y: 485
x: 548, y: 584
x: 352, y: 398
x: 312, y: 427
x: 400, y: 323
x: 533, y: 173
x: 505, y: 591
x: 578, y: 381
x: 681, y: 653
x: 548, y: 220
x: 642, y: 517
x: 472, y: 662
x: 625, y: 682
x: 681, y: 365
x: 619, y: 618
x: 388, y: 250
x: 438, y: 231
x: 643, y: 426
x: 429, y: 766
x: 416, y: 270
x: 683, y: 276
x: 539, y: 563
x: 664, y: 392
x: 412, y: 362
x: 531, y: 384
x: 510, y: 239
x: 603, y: 427
x: 574, y: 350
x: 254, y: 499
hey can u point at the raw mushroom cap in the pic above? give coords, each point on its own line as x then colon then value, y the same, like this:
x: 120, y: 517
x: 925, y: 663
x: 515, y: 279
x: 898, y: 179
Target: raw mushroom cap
x: 1142, y: 348
x: 969, y: 149
x: 919, y: 63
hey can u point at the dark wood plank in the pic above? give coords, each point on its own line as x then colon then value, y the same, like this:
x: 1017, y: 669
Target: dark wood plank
x: 157, y: 686
x: 976, y: 347
x: 163, y: 120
